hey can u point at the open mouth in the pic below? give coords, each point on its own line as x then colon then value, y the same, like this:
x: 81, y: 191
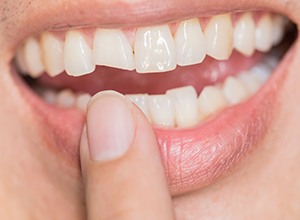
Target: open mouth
x: 206, y: 84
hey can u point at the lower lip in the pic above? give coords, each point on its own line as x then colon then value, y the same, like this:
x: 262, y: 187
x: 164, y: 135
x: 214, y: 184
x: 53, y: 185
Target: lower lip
x: 193, y: 158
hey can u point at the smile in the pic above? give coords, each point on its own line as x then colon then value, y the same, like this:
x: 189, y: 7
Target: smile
x: 207, y: 84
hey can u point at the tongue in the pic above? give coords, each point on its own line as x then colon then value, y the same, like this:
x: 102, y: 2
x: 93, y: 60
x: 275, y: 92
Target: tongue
x: 129, y: 82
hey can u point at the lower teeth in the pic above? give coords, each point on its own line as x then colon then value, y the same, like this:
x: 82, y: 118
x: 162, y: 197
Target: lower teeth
x: 180, y: 107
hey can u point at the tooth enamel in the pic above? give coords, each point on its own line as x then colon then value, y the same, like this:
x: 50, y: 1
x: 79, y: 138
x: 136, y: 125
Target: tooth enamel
x: 20, y: 60
x: 33, y: 58
x: 261, y: 72
x: 185, y: 102
x: 154, y: 49
x: 162, y: 110
x: 77, y: 55
x: 111, y: 48
x: 263, y: 33
x: 52, y: 49
x: 142, y: 102
x: 65, y: 99
x: 82, y: 101
x: 244, y: 35
x: 211, y: 100
x: 234, y: 90
x: 190, y: 43
x: 277, y: 29
x: 219, y: 37
x: 249, y: 81
x: 49, y: 96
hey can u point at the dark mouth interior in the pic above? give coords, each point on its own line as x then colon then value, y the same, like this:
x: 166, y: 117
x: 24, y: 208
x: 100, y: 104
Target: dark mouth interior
x: 129, y: 82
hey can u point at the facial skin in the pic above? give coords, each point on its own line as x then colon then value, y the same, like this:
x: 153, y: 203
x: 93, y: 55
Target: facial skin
x: 38, y: 184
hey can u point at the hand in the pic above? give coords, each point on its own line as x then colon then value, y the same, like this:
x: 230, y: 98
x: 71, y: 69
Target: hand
x: 122, y: 171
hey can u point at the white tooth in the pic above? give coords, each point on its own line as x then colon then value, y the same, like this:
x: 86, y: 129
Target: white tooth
x: 234, y: 90
x: 263, y: 33
x: 21, y: 63
x: 249, y: 81
x: 77, y: 55
x: 211, y: 100
x: 33, y: 58
x: 142, y: 102
x: 244, y: 35
x: 190, y: 43
x: 49, y: 96
x: 154, y: 49
x: 277, y: 29
x: 65, y: 99
x: 261, y: 72
x: 185, y: 102
x: 52, y: 49
x: 112, y: 48
x: 82, y: 101
x: 162, y: 110
x: 219, y: 37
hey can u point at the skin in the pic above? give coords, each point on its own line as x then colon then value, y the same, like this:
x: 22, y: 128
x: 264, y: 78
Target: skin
x: 36, y: 184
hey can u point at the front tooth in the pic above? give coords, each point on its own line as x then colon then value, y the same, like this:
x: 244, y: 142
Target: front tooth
x: 65, y: 99
x: 263, y: 34
x: 190, y: 43
x: 219, y: 37
x: 185, y: 101
x: 52, y: 49
x: 277, y: 29
x: 33, y: 58
x: 82, y: 101
x: 211, y: 100
x: 249, y: 81
x: 112, y: 48
x: 142, y: 102
x: 162, y: 110
x: 77, y: 55
x: 234, y: 90
x: 154, y: 49
x: 244, y: 35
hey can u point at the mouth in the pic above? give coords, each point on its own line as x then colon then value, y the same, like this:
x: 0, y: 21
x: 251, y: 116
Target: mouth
x: 208, y: 85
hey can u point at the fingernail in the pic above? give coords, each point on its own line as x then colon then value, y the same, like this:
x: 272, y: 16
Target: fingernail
x: 110, y: 126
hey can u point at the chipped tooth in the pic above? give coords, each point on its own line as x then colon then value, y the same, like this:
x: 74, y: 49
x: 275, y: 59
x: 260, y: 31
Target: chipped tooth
x: 154, y: 49
x: 33, y: 58
x: 261, y: 72
x: 190, y: 43
x: 77, y: 55
x: 185, y: 102
x: 263, y: 33
x: 249, y: 81
x: 234, y: 90
x: 82, y: 101
x: 211, y: 100
x: 52, y: 49
x: 141, y: 100
x: 162, y: 110
x: 244, y: 35
x: 65, y: 99
x: 219, y: 37
x: 277, y: 29
x: 111, y: 48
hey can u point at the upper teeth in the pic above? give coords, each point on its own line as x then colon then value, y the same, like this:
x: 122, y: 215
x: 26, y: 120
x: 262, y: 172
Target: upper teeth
x: 152, y: 49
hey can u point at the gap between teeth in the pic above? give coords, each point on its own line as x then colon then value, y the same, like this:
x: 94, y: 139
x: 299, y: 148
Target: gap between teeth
x: 181, y: 107
x: 150, y: 49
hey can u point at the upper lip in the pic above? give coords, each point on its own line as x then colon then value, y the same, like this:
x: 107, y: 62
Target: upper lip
x: 182, y: 159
